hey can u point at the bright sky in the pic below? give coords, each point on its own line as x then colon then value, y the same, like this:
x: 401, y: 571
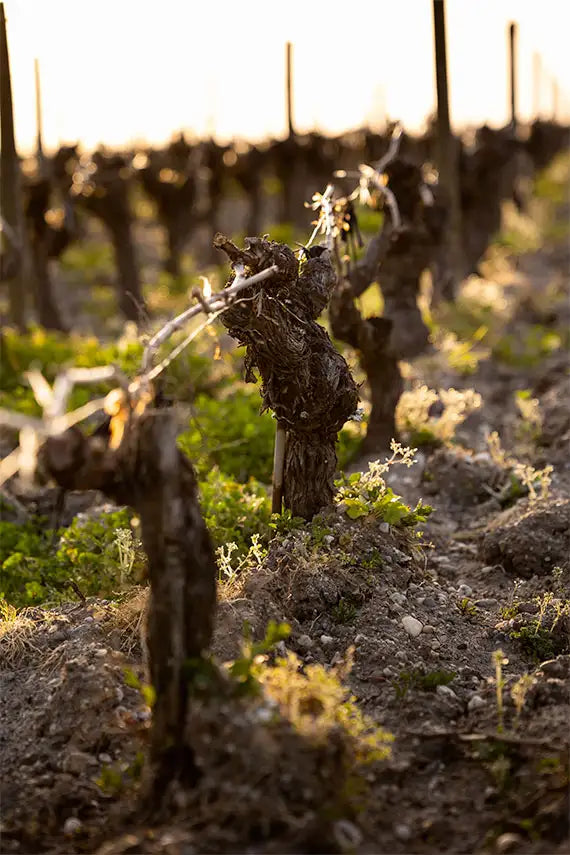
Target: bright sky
x: 118, y: 70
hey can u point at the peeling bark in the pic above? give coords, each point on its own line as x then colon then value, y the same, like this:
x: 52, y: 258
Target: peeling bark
x: 306, y: 382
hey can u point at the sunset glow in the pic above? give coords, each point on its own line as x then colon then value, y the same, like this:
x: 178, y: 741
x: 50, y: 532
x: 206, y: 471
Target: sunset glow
x: 122, y: 70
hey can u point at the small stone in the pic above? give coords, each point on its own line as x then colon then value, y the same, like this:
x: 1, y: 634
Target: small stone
x: 435, y: 644
x: 72, y: 825
x: 398, y: 598
x: 556, y: 667
x: 402, y: 832
x: 429, y: 628
x: 508, y: 842
x: 76, y: 763
x: 430, y: 602
x: 347, y: 835
x: 475, y: 703
x: 359, y: 638
x: 100, y: 652
x: 528, y: 608
x: 305, y: 641
x: 395, y: 609
x: 465, y: 591
x: 384, y: 527
x: 326, y: 640
x: 105, y: 758
x: 489, y: 603
x: 446, y: 692
x: 328, y: 539
x: 412, y: 625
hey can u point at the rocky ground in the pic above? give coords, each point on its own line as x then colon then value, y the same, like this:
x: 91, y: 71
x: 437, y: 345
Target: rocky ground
x: 458, y: 645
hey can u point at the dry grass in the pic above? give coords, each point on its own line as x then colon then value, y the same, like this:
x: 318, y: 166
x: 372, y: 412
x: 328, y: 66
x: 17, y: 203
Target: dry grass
x: 17, y: 628
x: 128, y: 618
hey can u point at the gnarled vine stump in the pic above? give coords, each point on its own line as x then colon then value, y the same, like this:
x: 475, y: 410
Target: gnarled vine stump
x: 149, y: 473
x: 306, y: 382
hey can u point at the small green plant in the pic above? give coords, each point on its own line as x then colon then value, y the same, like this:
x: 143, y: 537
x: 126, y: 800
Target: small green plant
x: 467, y: 607
x: 529, y: 428
x: 536, y: 482
x: 147, y: 691
x: 365, y: 494
x: 536, y: 643
x: 130, y: 554
x: 519, y: 691
x: 424, y: 682
x: 317, y: 704
x: 537, y: 639
x: 245, y: 670
x: 284, y: 522
x: 374, y: 561
x: 413, y: 417
x: 231, y: 564
x: 113, y: 781
x: 319, y: 530
x: 510, y: 611
x: 499, y: 659
x: 344, y: 611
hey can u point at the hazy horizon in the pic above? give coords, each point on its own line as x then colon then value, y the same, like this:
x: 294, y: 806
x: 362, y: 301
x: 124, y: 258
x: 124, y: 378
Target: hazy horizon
x: 120, y: 71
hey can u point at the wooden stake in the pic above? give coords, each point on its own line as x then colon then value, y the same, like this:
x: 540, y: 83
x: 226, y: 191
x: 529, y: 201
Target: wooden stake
x: 447, y: 152
x: 278, y: 466
x: 289, y: 67
x: 513, y: 73
x: 555, y: 99
x: 536, y: 84
x: 10, y: 198
x: 39, y: 135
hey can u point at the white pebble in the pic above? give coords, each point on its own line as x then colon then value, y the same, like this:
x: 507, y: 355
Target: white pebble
x: 347, y: 835
x: 328, y: 539
x: 402, y: 832
x: 327, y: 639
x: 412, y: 625
x: 72, y: 825
x: 446, y: 692
x: 475, y: 703
x: 305, y: 641
x: 465, y: 591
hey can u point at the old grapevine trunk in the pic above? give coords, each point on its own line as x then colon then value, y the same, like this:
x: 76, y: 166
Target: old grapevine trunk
x: 149, y: 473
x: 306, y: 382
